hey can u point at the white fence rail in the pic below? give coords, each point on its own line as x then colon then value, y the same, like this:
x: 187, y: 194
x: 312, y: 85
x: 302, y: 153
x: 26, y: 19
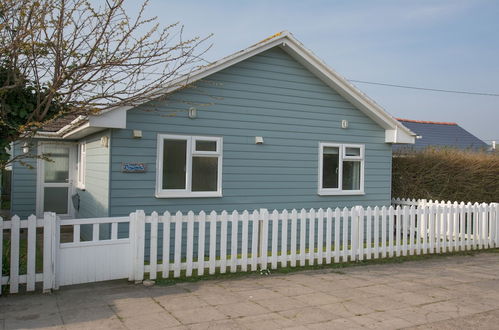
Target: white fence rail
x: 175, y: 245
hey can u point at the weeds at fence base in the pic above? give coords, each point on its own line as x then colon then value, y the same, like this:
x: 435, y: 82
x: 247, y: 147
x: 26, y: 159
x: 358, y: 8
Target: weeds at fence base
x: 333, y: 267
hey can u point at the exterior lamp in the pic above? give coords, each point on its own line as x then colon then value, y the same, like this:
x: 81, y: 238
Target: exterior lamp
x: 25, y: 148
x: 192, y: 113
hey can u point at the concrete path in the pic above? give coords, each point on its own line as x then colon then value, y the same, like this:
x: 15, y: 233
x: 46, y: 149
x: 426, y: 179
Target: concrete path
x: 441, y: 293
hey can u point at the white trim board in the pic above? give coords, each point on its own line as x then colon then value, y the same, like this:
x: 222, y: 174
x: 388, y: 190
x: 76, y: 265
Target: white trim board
x: 395, y: 132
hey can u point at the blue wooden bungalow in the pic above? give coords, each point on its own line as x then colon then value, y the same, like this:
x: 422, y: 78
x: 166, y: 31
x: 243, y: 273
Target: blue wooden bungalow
x: 271, y: 126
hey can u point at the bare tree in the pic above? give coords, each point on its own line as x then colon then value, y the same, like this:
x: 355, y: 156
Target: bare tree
x: 63, y: 58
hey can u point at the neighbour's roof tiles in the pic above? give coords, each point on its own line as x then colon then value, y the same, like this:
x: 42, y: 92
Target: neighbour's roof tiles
x: 440, y: 134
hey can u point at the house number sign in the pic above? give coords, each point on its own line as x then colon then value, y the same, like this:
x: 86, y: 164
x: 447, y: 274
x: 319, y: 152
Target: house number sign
x: 133, y: 167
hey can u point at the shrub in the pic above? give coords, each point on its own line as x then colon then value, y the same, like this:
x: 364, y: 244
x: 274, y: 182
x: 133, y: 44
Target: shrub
x: 446, y: 174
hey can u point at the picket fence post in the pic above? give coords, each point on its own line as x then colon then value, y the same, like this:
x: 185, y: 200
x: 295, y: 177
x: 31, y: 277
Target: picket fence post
x: 354, y: 231
x: 140, y: 218
x: 494, y: 224
x: 49, y: 249
x: 14, y: 254
x: 153, y: 247
x: 360, y: 226
x: 263, y: 237
x: 497, y: 223
x: 133, y: 243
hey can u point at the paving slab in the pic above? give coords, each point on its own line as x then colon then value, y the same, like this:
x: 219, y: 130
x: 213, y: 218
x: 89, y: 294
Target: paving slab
x: 455, y: 292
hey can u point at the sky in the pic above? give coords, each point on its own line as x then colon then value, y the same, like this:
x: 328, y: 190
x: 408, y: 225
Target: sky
x: 448, y: 44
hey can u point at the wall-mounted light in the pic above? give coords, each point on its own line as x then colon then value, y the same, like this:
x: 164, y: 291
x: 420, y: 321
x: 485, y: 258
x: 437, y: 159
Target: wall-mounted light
x: 25, y: 148
x: 258, y: 139
x: 193, y: 113
x: 104, y: 141
x: 344, y: 123
x: 137, y: 134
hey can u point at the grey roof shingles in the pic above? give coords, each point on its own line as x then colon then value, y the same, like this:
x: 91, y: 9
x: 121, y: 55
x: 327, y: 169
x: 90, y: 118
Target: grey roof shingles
x: 440, y: 134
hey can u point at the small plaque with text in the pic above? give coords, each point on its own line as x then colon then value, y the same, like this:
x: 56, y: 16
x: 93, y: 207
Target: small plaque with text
x: 133, y: 167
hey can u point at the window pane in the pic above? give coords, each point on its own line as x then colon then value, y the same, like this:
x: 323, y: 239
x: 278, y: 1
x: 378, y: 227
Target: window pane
x: 331, y: 150
x: 330, y: 162
x: 204, y: 173
x: 206, y: 145
x: 174, y: 164
x: 351, y: 175
x: 352, y: 152
x: 55, y: 199
x: 57, y: 169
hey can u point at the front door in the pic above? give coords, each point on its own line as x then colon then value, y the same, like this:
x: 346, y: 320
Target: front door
x: 55, y: 179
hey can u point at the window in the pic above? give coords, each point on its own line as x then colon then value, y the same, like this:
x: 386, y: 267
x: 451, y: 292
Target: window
x: 341, y: 169
x: 81, y: 164
x: 189, y: 166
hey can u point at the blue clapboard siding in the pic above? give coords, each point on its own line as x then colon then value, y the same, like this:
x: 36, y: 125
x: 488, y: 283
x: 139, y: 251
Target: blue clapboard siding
x: 23, y: 190
x: 94, y: 200
x: 269, y: 95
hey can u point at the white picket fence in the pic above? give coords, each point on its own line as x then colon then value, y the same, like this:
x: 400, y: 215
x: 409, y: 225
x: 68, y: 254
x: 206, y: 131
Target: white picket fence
x: 312, y: 236
x: 191, y: 244
x: 15, y: 225
x: 423, y: 202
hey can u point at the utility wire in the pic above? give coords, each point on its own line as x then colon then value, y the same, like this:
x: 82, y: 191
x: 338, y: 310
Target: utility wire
x: 424, y: 88
x: 392, y: 85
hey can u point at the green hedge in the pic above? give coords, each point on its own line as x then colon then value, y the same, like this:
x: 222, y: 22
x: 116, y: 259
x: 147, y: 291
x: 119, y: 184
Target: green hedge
x: 446, y: 174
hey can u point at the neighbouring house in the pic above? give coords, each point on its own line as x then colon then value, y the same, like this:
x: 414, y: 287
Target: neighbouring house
x: 271, y: 126
x: 440, y: 134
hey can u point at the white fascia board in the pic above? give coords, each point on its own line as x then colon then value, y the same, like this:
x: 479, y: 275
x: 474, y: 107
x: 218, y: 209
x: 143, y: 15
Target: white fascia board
x: 78, y: 134
x: 399, y: 136
x: 110, y: 119
x: 93, y: 124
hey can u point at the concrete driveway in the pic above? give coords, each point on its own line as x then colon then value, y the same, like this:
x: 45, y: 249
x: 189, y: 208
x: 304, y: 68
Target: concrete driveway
x: 441, y: 293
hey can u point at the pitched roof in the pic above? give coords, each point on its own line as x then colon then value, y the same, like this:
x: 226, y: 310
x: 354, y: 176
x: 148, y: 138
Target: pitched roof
x: 395, y: 132
x: 59, y: 123
x: 441, y: 134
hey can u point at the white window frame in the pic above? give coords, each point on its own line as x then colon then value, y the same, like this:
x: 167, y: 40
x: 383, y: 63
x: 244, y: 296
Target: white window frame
x: 342, y: 157
x: 81, y: 164
x: 190, y: 153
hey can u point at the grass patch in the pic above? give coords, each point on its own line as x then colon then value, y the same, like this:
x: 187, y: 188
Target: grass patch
x: 334, y: 267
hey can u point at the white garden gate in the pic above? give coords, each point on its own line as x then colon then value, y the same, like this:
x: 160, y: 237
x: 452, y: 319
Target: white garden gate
x: 100, y: 258
x: 50, y: 256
